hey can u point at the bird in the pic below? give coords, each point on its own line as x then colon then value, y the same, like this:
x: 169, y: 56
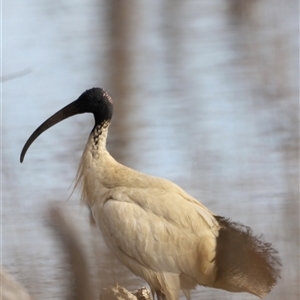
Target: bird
x: 156, y: 229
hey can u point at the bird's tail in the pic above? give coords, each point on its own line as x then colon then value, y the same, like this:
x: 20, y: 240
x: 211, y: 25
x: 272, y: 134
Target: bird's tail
x: 244, y: 262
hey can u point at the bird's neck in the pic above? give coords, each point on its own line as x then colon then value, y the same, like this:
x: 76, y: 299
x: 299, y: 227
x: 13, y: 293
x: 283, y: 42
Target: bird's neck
x: 97, y: 139
x: 95, y: 165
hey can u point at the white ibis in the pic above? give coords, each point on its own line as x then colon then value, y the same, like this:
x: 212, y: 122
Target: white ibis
x: 155, y: 228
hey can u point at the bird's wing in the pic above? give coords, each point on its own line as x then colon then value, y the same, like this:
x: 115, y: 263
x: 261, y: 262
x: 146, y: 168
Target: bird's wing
x: 161, y: 230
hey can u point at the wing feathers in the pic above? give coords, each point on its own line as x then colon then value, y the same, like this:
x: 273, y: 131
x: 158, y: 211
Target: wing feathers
x: 141, y: 226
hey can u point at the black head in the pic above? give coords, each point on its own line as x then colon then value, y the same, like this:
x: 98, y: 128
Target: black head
x: 96, y: 101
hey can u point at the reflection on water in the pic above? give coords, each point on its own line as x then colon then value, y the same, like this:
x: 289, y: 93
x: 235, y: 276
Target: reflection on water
x: 205, y: 95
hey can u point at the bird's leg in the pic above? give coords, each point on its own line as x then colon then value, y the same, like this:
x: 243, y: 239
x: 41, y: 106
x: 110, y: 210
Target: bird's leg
x: 160, y: 295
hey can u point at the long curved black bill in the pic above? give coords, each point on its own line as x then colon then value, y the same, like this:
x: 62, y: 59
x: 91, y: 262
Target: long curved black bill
x: 71, y: 109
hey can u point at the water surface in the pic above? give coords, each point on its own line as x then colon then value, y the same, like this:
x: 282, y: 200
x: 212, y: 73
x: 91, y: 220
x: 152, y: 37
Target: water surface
x: 205, y: 95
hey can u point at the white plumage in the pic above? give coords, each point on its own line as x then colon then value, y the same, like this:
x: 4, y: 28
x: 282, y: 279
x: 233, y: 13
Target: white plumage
x: 155, y: 228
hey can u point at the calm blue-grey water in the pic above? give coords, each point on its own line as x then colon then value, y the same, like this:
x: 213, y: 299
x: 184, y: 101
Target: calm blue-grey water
x: 211, y: 103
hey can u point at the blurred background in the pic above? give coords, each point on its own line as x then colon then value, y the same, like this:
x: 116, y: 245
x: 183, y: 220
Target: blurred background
x: 205, y: 94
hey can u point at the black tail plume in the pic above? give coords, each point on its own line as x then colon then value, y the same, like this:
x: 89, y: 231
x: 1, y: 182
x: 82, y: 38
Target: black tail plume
x: 244, y: 262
